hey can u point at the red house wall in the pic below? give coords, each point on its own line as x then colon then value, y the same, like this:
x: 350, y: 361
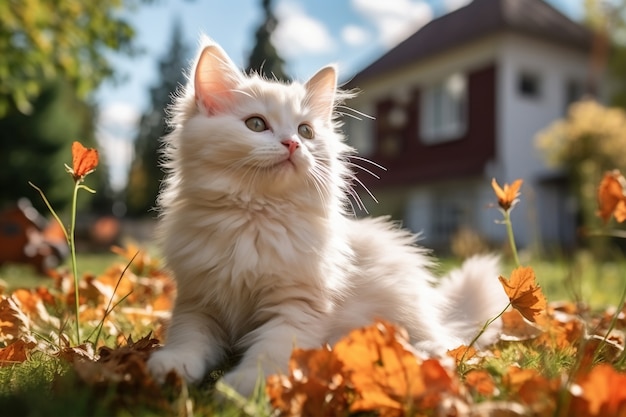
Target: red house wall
x: 411, y: 161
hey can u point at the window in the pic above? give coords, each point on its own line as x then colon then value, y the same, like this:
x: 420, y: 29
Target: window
x: 529, y: 84
x: 574, y: 91
x: 446, y: 219
x: 444, y: 110
x: 359, y: 133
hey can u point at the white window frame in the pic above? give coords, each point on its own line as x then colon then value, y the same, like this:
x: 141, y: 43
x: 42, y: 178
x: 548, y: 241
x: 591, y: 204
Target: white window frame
x: 443, y: 110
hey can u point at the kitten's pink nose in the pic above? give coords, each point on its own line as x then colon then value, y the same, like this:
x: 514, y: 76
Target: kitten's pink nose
x: 291, y: 144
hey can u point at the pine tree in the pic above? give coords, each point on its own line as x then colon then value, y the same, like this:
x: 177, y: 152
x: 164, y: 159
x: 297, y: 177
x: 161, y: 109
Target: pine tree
x: 264, y: 58
x: 145, y: 174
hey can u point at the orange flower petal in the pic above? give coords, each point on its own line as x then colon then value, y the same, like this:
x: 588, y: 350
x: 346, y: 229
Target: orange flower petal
x: 84, y: 160
x: 508, y: 194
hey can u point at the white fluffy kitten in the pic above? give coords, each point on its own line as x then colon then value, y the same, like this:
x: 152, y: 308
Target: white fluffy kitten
x: 266, y: 258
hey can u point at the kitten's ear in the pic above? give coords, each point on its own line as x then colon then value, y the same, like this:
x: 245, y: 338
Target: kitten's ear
x: 321, y: 90
x: 215, y: 78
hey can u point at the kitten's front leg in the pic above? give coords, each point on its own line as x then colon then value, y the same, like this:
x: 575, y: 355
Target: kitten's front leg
x: 270, y: 348
x: 195, y: 342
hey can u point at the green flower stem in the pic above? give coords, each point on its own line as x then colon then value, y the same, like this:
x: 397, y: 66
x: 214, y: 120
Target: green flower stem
x: 480, y: 333
x: 54, y: 214
x: 509, y: 232
x: 72, y: 244
x: 620, y: 307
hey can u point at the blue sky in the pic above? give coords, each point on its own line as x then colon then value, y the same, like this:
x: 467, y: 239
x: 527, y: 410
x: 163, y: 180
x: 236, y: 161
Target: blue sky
x: 311, y: 34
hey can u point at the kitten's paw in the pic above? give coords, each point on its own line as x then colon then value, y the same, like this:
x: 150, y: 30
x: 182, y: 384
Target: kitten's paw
x: 161, y: 362
x: 243, y: 381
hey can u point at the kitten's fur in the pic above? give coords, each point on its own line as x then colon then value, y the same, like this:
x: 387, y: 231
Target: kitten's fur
x: 265, y: 256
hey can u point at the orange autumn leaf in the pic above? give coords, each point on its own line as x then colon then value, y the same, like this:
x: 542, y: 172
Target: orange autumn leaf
x: 507, y: 195
x: 315, y: 385
x: 525, y: 294
x: 16, y: 352
x: 462, y: 353
x: 481, y: 382
x: 387, y: 375
x: 516, y: 328
x: 532, y: 388
x: 611, y: 197
x: 562, y: 335
x: 84, y: 160
x: 13, y: 322
x: 599, y: 392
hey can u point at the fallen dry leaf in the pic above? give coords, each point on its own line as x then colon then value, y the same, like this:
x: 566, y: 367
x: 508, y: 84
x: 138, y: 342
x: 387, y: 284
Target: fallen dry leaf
x: 315, y: 385
x: 16, y: 352
x: 387, y: 375
x: 481, y: 382
x: 516, y: 328
x: 599, y: 392
x: 462, y: 353
x: 611, y: 197
x: 562, y: 335
x: 13, y: 322
x: 533, y: 389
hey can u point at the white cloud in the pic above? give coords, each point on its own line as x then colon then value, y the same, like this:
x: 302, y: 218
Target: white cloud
x: 354, y: 35
x: 120, y: 113
x: 298, y: 33
x: 395, y: 20
x: 455, y: 4
x: 117, y: 127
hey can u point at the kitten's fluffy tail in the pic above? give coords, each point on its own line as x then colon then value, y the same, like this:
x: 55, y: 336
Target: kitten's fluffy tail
x: 472, y: 295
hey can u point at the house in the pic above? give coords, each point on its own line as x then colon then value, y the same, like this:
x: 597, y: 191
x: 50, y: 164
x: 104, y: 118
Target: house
x: 459, y: 103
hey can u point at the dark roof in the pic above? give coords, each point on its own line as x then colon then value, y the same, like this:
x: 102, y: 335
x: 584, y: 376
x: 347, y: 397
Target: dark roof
x: 478, y: 19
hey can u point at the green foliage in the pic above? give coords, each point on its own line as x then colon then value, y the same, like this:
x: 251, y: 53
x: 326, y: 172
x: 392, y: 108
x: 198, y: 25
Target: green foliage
x: 607, y: 19
x: 34, y: 147
x: 590, y: 140
x: 42, y: 40
x: 145, y: 174
x: 264, y: 58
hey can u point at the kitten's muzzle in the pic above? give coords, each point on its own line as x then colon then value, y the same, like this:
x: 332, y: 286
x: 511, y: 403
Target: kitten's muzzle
x: 291, y: 144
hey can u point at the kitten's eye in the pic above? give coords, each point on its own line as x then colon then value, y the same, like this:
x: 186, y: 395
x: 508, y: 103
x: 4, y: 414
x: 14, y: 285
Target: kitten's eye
x: 306, y: 131
x: 256, y: 124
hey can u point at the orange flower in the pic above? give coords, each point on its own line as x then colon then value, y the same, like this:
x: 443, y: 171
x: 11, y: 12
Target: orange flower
x: 525, y: 294
x: 611, y: 198
x: 507, y: 196
x: 84, y: 161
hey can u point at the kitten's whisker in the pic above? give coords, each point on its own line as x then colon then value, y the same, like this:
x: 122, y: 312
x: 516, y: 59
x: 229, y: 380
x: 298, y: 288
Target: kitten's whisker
x: 365, y: 188
x: 318, y: 178
x: 360, y: 158
x: 356, y: 113
x: 364, y: 169
x: 352, y: 206
x: 358, y: 199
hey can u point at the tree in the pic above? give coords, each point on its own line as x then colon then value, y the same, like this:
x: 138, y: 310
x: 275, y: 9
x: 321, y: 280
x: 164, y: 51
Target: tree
x: 607, y: 20
x: 35, y: 147
x: 589, y: 141
x: 264, y: 58
x: 145, y: 174
x: 42, y: 40
x: 54, y: 53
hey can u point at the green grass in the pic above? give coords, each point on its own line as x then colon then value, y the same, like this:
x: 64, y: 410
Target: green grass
x: 49, y: 386
x: 26, y: 276
x: 577, y: 277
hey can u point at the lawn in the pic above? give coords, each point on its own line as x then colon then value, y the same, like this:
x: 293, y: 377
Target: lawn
x: 122, y: 319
